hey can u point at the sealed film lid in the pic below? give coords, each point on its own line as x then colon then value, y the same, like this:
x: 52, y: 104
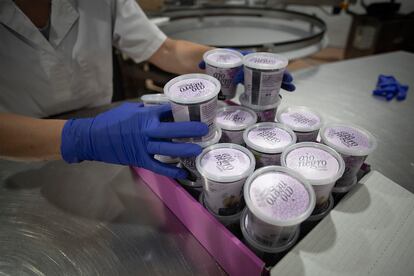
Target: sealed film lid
x: 318, y: 163
x: 225, y: 162
x: 235, y: 117
x: 223, y: 58
x: 300, y: 118
x: 279, y: 196
x: 192, y: 88
x: 269, y: 137
x: 244, y: 102
x: 348, y: 139
x: 265, y: 61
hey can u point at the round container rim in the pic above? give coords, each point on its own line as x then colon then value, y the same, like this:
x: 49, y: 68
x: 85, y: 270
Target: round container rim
x: 253, y: 65
x: 325, y: 212
x: 225, y: 179
x: 345, y: 189
x: 233, y: 108
x: 300, y: 108
x: 272, y: 221
x: 266, y: 249
x: 263, y: 149
x: 221, y: 65
x: 158, y: 98
x: 372, y: 140
x: 196, y: 100
x: 331, y: 151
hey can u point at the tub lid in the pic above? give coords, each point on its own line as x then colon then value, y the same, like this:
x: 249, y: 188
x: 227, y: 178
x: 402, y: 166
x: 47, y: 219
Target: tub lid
x: 269, y: 137
x: 235, y: 117
x: 318, y: 163
x: 300, y: 118
x: 265, y: 61
x: 225, y: 162
x: 348, y: 139
x: 279, y: 196
x: 223, y: 58
x: 192, y: 88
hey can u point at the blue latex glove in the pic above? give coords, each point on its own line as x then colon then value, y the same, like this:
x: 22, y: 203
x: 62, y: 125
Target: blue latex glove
x: 130, y: 135
x: 286, y: 82
x: 388, y: 87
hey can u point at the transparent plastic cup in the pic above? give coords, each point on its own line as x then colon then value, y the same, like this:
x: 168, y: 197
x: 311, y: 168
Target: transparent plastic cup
x: 193, y: 97
x: 269, y: 254
x: 263, y: 75
x: 265, y: 113
x: 321, y: 165
x: 267, y: 141
x: 231, y: 221
x: 224, y: 64
x: 278, y: 200
x: 154, y: 99
x: 224, y: 169
x: 354, y: 144
x: 304, y: 121
x: 158, y: 99
x: 190, y: 162
x: 233, y: 120
x: 317, y: 215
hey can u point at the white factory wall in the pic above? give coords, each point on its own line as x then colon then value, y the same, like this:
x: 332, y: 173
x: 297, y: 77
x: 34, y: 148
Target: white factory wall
x: 339, y: 25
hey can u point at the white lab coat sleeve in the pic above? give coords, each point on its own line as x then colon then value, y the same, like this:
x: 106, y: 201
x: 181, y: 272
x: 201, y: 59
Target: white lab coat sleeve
x: 133, y: 33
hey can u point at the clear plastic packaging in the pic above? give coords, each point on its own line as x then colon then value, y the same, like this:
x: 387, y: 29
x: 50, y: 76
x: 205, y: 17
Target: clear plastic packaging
x: 354, y: 144
x: 190, y: 162
x: 278, y: 200
x: 263, y: 75
x: 154, y: 99
x: 267, y: 141
x: 193, y: 97
x: 233, y: 120
x: 304, y: 121
x: 224, y: 65
x: 231, y: 221
x: 265, y: 113
x: 321, y: 165
x: 224, y: 169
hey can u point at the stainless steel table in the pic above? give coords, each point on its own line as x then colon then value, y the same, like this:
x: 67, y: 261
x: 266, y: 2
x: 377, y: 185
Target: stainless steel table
x: 94, y: 219
x: 342, y: 91
x: 90, y: 219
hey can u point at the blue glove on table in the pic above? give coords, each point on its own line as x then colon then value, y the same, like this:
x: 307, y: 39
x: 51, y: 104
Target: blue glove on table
x: 286, y: 82
x: 388, y: 87
x: 130, y: 135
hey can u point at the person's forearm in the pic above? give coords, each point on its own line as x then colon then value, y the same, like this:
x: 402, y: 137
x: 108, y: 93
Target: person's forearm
x: 25, y: 138
x: 179, y: 56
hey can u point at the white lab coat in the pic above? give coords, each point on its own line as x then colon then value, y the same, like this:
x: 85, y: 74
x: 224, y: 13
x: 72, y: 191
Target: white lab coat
x: 73, y: 69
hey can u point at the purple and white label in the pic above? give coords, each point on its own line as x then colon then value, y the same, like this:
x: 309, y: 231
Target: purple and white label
x: 352, y: 166
x: 301, y: 119
x: 265, y: 60
x: 347, y: 138
x: 225, y: 58
x: 313, y: 163
x: 226, y: 78
x: 225, y: 162
x: 261, y: 87
x: 192, y: 88
x: 279, y: 196
x: 270, y: 137
x: 204, y: 112
x: 234, y: 118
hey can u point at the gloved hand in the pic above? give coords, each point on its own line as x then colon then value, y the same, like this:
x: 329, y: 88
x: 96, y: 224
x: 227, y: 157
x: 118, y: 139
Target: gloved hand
x: 130, y: 135
x: 286, y: 82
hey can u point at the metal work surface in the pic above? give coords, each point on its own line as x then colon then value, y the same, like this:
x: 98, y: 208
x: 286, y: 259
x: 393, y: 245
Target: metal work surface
x: 90, y: 219
x: 342, y: 91
x: 244, y: 27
